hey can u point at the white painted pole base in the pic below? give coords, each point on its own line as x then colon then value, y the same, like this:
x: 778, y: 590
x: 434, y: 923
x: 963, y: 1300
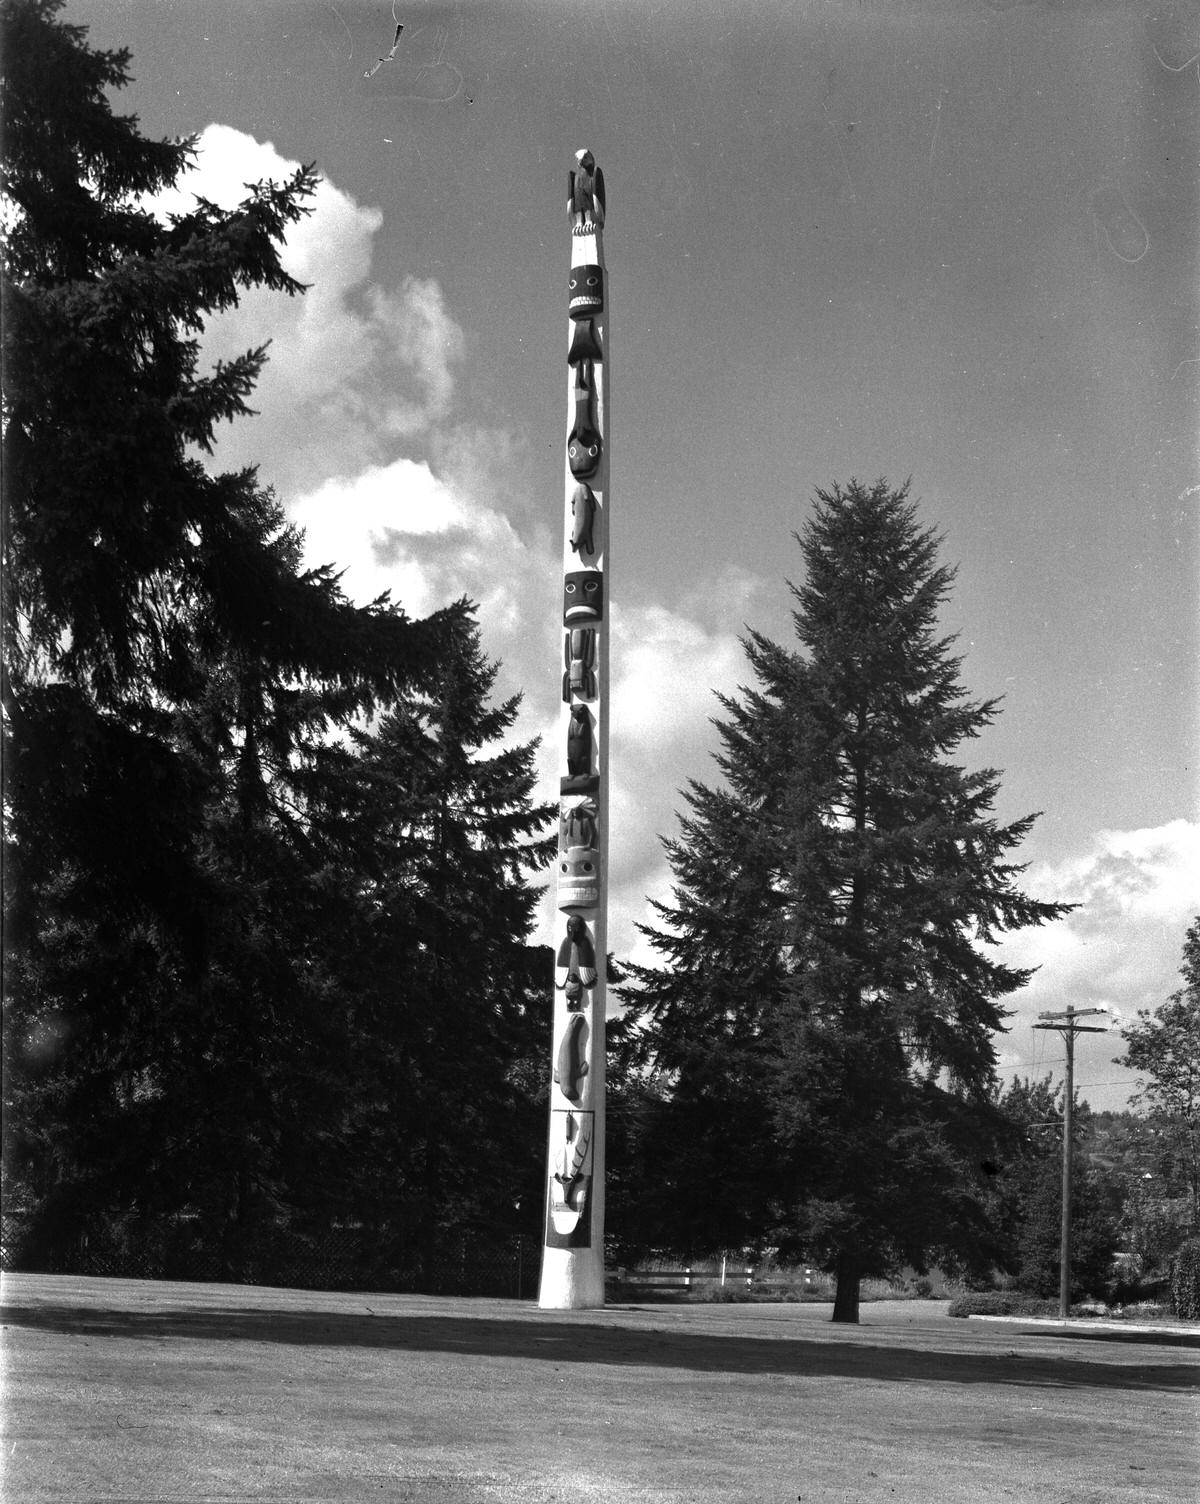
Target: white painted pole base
x: 571, y: 1281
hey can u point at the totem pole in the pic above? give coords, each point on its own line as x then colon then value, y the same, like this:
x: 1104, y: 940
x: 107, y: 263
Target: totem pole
x: 573, y: 1251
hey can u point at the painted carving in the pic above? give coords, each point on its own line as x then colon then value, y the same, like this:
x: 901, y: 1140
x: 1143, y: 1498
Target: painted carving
x: 583, y: 597
x: 579, y: 878
x: 576, y: 955
x: 581, y: 778
x: 584, y: 344
x: 583, y: 520
x: 574, y: 1203
x: 579, y: 656
x: 571, y: 1180
x: 571, y: 1067
x: 585, y: 195
x: 583, y: 442
x: 585, y: 291
x: 578, y: 826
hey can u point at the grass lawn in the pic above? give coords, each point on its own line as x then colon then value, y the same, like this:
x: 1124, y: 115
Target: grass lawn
x: 137, y: 1391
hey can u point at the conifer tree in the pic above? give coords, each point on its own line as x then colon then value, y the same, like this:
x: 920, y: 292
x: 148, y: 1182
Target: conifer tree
x: 136, y: 578
x: 452, y: 996
x: 836, y: 904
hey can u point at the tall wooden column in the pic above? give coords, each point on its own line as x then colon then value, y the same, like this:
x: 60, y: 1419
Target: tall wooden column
x: 573, y: 1251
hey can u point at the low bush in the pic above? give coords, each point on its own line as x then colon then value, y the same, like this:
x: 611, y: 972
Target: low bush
x: 1001, y: 1303
x: 1185, y: 1280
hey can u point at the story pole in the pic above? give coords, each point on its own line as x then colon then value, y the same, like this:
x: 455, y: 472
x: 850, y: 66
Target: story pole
x: 572, y: 1276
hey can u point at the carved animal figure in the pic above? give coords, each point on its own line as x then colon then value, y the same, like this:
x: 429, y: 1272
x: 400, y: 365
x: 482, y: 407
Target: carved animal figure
x: 584, y: 344
x: 583, y: 442
x: 579, y: 741
x: 576, y: 955
x: 570, y: 1182
x: 578, y: 825
x: 579, y: 654
x: 585, y: 194
x: 572, y: 1067
x: 580, y: 778
x: 583, y: 518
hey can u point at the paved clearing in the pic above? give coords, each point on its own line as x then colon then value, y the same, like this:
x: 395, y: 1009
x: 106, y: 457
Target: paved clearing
x: 139, y: 1390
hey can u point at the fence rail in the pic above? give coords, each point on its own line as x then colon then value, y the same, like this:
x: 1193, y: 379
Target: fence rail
x: 686, y: 1280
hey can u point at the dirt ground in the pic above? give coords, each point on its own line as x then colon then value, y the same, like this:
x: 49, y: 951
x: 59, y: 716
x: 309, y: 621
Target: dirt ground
x: 138, y: 1391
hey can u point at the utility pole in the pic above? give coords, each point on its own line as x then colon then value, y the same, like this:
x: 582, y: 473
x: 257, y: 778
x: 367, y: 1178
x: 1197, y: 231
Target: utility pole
x: 1066, y: 1024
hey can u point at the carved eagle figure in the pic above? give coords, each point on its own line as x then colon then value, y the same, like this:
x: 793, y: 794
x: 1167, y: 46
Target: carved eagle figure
x: 585, y: 200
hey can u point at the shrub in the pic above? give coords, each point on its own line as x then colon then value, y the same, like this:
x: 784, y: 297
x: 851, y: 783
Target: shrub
x: 1001, y: 1303
x: 1185, y: 1281
x: 1132, y: 1291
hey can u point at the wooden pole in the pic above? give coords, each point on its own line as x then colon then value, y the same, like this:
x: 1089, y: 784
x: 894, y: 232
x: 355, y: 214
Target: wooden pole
x: 573, y: 1249
x: 1067, y: 1024
x: 1064, y: 1242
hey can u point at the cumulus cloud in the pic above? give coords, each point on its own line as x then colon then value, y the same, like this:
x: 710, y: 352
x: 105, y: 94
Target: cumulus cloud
x: 1137, y: 891
x: 353, y: 367
x: 401, y: 527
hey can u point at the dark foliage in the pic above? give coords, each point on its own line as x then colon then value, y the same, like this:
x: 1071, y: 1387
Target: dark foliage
x: 823, y: 1025
x: 1185, y: 1281
x: 1164, y: 1048
x: 246, y: 952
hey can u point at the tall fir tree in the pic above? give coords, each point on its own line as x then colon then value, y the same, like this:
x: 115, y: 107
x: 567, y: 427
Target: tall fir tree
x: 135, y: 579
x: 834, y: 911
x: 452, y: 997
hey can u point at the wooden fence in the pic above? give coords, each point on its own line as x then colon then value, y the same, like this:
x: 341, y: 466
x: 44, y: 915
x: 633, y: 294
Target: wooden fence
x: 686, y: 1281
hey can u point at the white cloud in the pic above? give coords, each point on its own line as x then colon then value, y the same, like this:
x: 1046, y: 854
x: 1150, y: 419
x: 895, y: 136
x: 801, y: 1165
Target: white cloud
x: 1137, y: 891
x: 401, y: 527
x: 352, y: 367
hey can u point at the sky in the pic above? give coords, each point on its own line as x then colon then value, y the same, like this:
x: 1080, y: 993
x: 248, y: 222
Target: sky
x: 951, y: 240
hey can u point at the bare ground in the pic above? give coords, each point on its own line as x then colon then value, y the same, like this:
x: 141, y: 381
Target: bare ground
x: 138, y: 1391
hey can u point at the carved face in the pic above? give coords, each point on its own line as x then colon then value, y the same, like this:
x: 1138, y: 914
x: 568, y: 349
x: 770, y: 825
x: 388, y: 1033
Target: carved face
x: 579, y: 878
x: 586, y: 291
x: 583, y: 596
x: 583, y: 450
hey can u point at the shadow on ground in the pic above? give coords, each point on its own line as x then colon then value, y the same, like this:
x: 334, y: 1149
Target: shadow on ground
x: 606, y: 1345
x: 1130, y: 1337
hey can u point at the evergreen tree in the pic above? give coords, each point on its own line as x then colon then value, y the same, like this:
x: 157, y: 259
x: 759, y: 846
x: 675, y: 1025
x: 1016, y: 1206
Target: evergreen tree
x: 706, y: 1058
x: 1164, y: 1047
x: 1028, y: 1191
x: 865, y: 877
x: 453, y: 1000
x: 136, y: 581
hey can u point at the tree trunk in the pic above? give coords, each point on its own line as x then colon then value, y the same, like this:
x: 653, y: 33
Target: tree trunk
x: 845, y: 1301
